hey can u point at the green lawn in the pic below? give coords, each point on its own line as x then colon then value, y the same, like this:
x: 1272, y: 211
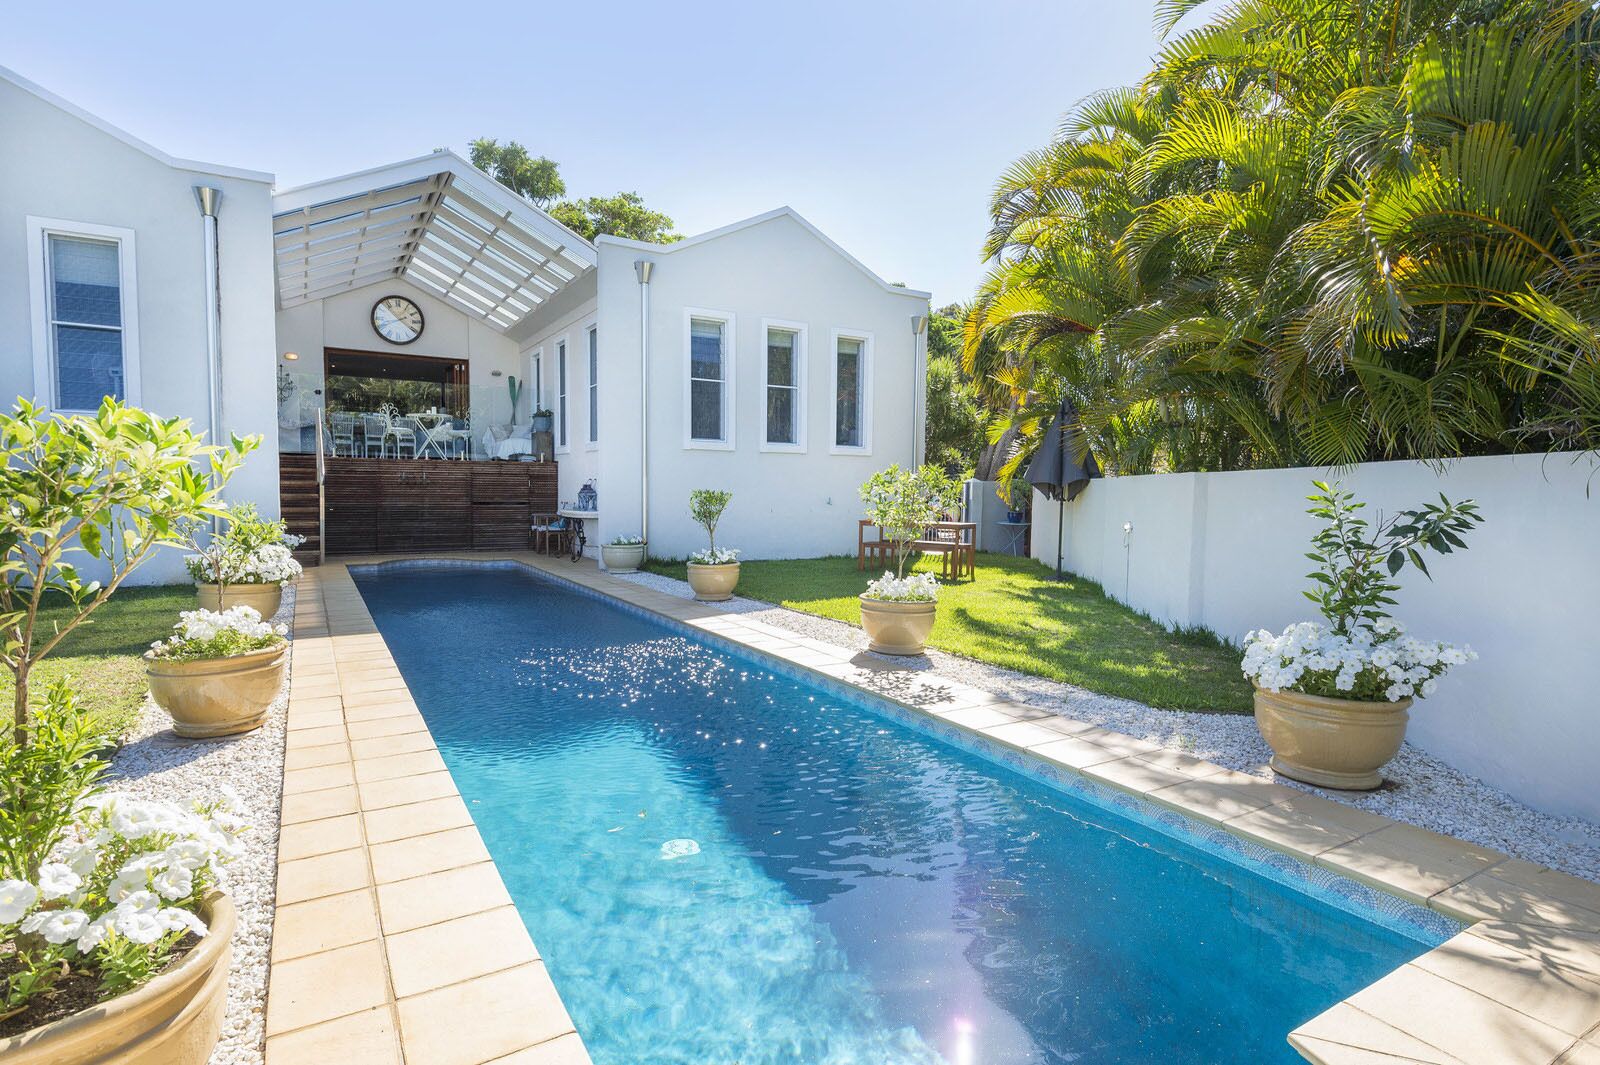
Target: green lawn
x: 102, y: 656
x: 1015, y: 616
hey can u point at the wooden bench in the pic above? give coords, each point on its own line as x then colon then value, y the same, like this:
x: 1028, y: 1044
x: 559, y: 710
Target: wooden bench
x: 954, y: 541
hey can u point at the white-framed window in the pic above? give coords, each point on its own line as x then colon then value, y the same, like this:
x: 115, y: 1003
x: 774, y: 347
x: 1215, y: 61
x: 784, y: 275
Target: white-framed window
x: 593, y: 339
x: 85, y: 304
x: 709, y: 343
x: 561, y: 394
x: 783, y: 385
x: 851, y: 366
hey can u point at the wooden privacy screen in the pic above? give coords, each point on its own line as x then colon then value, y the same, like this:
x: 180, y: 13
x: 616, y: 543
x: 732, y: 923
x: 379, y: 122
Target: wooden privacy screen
x: 385, y: 505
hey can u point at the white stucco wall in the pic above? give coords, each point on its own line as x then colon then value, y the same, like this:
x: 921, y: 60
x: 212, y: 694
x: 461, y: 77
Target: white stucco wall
x: 344, y: 321
x: 785, y: 505
x: 57, y: 165
x: 568, y: 318
x: 1226, y: 551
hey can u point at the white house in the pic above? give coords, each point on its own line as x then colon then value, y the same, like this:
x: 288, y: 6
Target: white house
x: 759, y: 357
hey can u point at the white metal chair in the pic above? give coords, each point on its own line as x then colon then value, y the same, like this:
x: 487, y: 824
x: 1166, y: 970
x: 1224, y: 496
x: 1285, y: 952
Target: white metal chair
x: 374, y: 428
x: 342, y: 430
x: 403, y: 431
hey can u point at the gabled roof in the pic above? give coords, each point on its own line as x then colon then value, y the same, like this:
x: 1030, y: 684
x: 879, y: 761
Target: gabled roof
x: 779, y: 212
x: 11, y: 76
x: 436, y: 221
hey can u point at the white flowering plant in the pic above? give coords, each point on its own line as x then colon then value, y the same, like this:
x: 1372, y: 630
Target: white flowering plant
x: 714, y: 556
x: 1362, y: 653
x: 1374, y: 662
x: 625, y: 541
x: 251, y: 550
x: 217, y: 634
x: 917, y: 588
x: 97, y: 892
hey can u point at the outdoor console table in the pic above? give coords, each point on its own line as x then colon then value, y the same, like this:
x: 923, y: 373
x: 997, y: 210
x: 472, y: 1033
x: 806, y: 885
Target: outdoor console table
x: 1016, y: 534
x: 578, y: 517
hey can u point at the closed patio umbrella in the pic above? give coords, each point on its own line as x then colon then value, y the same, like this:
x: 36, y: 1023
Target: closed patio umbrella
x: 1063, y: 465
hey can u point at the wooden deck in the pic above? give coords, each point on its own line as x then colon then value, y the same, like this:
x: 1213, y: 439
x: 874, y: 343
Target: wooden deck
x: 415, y: 505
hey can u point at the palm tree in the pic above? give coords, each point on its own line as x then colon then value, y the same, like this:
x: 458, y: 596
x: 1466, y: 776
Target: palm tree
x: 1317, y: 232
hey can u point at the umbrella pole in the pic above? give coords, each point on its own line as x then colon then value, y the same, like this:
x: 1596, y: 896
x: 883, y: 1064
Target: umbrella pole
x: 1061, y: 521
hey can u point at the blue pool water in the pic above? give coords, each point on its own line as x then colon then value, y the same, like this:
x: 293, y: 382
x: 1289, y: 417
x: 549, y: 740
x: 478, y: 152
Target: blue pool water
x: 722, y: 864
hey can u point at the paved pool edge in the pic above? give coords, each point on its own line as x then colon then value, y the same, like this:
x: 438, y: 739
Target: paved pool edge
x: 1520, y: 984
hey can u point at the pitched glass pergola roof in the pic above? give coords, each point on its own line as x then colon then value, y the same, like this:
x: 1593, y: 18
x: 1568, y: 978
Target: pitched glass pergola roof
x: 437, y: 222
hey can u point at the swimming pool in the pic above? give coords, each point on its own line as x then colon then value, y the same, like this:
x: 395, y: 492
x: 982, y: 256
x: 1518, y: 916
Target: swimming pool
x: 724, y: 861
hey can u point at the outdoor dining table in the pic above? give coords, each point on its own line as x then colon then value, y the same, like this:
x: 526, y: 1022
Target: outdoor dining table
x: 578, y: 517
x: 431, y: 422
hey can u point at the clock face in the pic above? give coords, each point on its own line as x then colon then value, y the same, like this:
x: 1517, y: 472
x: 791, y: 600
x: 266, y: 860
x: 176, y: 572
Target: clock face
x: 397, y: 320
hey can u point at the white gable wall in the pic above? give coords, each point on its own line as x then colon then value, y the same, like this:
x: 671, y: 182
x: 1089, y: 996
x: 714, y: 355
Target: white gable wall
x: 61, y: 166
x: 785, y: 505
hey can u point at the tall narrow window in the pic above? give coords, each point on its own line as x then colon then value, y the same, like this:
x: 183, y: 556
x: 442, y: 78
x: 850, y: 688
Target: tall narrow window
x: 561, y: 394
x: 783, y: 386
x: 537, y: 401
x: 707, y: 379
x: 594, y: 384
x: 849, y: 392
x: 84, y: 295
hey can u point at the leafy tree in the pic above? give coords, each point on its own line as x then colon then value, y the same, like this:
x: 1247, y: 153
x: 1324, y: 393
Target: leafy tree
x: 622, y: 215
x: 536, y: 179
x: 903, y: 503
x: 111, y: 487
x: 956, y: 424
x: 705, y: 507
x: 1318, y: 232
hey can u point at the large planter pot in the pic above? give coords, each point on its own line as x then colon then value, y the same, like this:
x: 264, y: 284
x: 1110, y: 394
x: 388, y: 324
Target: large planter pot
x: 713, y: 584
x: 218, y: 696
x: 266, y: 598
x: 895, y: 628
x: 543, y: 423
x: 172, y: 1020
x: 622, y: 558
x: 1332, y: 743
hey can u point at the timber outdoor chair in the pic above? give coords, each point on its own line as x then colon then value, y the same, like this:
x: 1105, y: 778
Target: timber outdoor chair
x: 552, y: 534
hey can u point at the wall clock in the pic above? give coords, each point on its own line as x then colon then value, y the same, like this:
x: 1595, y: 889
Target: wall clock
x: 397, y: 320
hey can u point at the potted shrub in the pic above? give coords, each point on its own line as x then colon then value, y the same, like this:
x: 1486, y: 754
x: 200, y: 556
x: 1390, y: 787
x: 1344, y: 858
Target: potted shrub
x: 1015, y: 493
x: 898, y: 612
x: 1333, y: 697
x: 115, y: 940
x: 625, y: 554
x: 110, y: 487
x: 219, y: 672
x: 247, y: 564
x: 713, y: 571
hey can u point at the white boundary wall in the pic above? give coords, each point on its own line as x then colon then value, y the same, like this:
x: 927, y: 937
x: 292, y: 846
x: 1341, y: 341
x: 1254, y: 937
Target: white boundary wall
x: 1227, y: 551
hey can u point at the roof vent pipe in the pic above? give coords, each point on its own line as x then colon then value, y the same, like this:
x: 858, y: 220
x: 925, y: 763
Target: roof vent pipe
x: 642, y: 269
x: 209, y: 199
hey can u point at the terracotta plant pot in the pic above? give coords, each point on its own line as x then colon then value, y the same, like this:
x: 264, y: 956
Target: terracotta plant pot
x: 622, y: 558
x: 713, y: 584
x: 264, y: 597
x: 895, y: 628
x: 172, y: 1020
x: 1332, y: 743
x: 218, y: 696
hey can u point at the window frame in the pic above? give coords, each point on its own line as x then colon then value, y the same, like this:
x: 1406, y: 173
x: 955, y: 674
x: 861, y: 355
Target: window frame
x: 591, y: 339
x: 864, y: 397
x: 563, y: 392
x: 40, y: 230
x: 801, y: 358
x: 730, y: 347
x: 536, y: 367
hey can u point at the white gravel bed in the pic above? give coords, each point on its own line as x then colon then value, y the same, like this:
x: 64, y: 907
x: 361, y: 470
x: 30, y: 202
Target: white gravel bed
x: 1420, y: 789
x: 156, y: 764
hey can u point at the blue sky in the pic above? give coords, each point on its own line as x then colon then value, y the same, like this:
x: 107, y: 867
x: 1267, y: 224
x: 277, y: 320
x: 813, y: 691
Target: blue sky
x: 884, y: 123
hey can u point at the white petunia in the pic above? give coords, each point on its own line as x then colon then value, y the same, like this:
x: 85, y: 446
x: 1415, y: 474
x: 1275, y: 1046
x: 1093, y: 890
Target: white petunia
x: 57, y: 880
x: 174, y: 919
x: 17, y: 897
x: 173, y: 883
x: 61, y: 926
x: 82, y: 859
x: 95, y: 933
x: 140, y: 926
